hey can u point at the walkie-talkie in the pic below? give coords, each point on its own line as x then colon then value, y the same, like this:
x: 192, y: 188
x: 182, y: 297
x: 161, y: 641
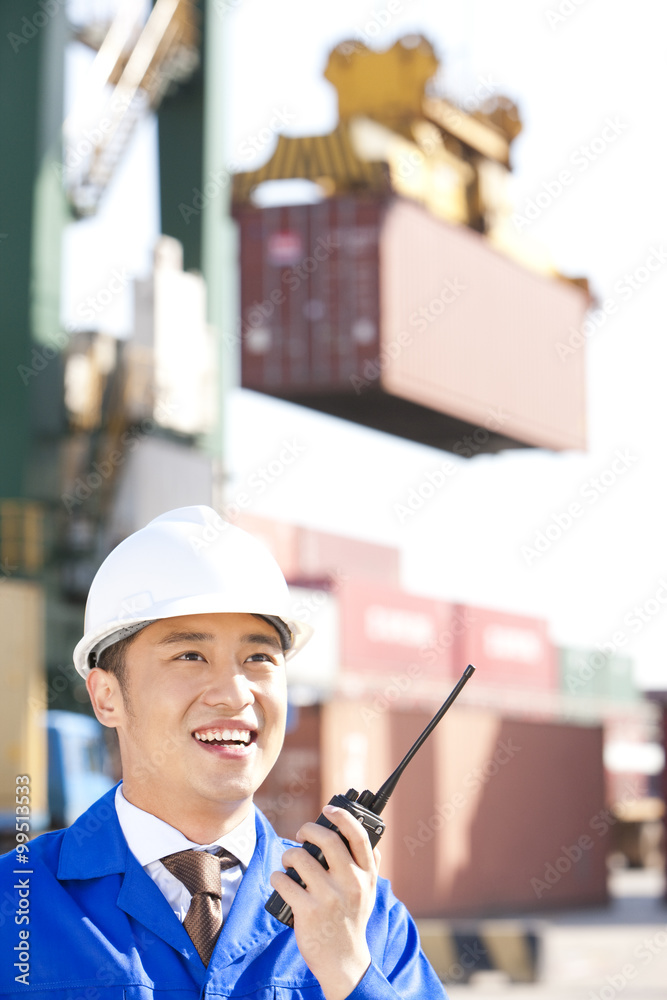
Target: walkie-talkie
x: 365, y: 807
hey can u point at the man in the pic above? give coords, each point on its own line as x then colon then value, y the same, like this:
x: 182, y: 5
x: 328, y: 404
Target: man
x: 159, y: 888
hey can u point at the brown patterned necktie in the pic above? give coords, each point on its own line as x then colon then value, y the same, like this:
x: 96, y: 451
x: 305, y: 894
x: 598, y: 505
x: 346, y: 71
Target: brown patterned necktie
x: 199, y: 871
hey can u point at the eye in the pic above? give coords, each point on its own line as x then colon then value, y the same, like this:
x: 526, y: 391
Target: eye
x: 191, y: 655
x: 262, y: 658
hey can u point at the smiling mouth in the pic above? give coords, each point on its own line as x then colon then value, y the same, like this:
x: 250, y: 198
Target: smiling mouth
x: 225, y: 737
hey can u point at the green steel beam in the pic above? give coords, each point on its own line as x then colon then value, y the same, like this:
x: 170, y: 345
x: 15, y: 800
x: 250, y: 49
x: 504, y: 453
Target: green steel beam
x: 32, y: 213
x: 180, y: 138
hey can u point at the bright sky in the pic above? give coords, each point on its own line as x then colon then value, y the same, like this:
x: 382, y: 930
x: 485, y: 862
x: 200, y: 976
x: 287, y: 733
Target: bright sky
x: 569, y: 73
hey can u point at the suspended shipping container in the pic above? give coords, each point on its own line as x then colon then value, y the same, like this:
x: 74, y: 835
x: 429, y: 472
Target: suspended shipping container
x: 373, y: 310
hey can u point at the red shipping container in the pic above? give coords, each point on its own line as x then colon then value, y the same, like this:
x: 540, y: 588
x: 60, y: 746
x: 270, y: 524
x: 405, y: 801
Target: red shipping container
x: 491, y: 821
x: 486, y: 336
x: 507, y: 650
x: 486, y: 818
x: 383, y: 630
x: 309, y: 557
x: 309, y: 294
x: 322, y: 555
x: 377, y: 312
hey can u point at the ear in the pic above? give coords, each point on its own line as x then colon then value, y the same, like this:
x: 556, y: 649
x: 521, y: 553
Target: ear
x: 105, y: 696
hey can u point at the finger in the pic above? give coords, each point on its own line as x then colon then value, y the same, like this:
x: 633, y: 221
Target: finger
x: 291, y: 891
x: 306, y: 866
x: 328, y: 841
x: 355, y: 834
x: 334, y: 849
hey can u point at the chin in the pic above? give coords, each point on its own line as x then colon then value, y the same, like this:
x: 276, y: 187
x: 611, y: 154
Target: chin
x: 224, y: 791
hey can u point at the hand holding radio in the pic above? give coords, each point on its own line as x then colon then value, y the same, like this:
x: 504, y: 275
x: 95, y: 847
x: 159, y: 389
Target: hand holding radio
x: 332, y: 916
x: 365, y: 808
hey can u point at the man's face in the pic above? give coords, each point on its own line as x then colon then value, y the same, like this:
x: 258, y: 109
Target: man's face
x: 203, y: 718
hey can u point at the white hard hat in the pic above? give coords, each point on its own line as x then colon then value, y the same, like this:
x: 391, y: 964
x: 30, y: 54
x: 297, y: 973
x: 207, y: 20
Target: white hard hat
x: 188, y: 561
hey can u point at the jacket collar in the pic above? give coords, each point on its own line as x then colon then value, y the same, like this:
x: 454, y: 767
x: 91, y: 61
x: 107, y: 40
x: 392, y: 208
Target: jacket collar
x: 94, y: 844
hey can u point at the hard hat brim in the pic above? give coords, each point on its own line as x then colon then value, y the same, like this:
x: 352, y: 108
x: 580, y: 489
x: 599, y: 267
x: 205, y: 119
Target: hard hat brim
x: 189, y: 606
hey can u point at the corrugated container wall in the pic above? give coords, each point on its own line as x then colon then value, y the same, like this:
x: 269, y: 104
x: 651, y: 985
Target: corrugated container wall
x: 309, y: 293
x: 484, y: 332
x: 387, y: 632
x: 309, y: 557
x: 509, y: 651
x: 377, y: 312
x: 486, y: 819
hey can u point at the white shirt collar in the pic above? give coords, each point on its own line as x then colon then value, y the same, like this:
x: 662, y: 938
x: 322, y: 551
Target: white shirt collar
x: 150, y: 838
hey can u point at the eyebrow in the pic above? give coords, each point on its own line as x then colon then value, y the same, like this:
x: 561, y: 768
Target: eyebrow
x: 263, y: 639
x: 255, y: 638
x: 174, y: 637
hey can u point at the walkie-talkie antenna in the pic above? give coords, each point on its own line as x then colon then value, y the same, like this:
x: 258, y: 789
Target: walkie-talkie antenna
x: 382, y: 796
x: 366, y: 808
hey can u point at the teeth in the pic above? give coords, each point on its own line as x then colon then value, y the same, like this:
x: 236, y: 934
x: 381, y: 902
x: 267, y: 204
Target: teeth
x: 237, y: 735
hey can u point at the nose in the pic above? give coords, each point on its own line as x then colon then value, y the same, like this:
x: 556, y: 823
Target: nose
x: 228, y: 686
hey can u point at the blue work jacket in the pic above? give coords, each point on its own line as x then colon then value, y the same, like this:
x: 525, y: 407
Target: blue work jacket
x: 100, y: 929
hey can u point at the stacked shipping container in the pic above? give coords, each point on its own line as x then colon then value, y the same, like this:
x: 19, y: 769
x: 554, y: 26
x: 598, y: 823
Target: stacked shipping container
x: 372, y: 309
x: 488, y: 817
